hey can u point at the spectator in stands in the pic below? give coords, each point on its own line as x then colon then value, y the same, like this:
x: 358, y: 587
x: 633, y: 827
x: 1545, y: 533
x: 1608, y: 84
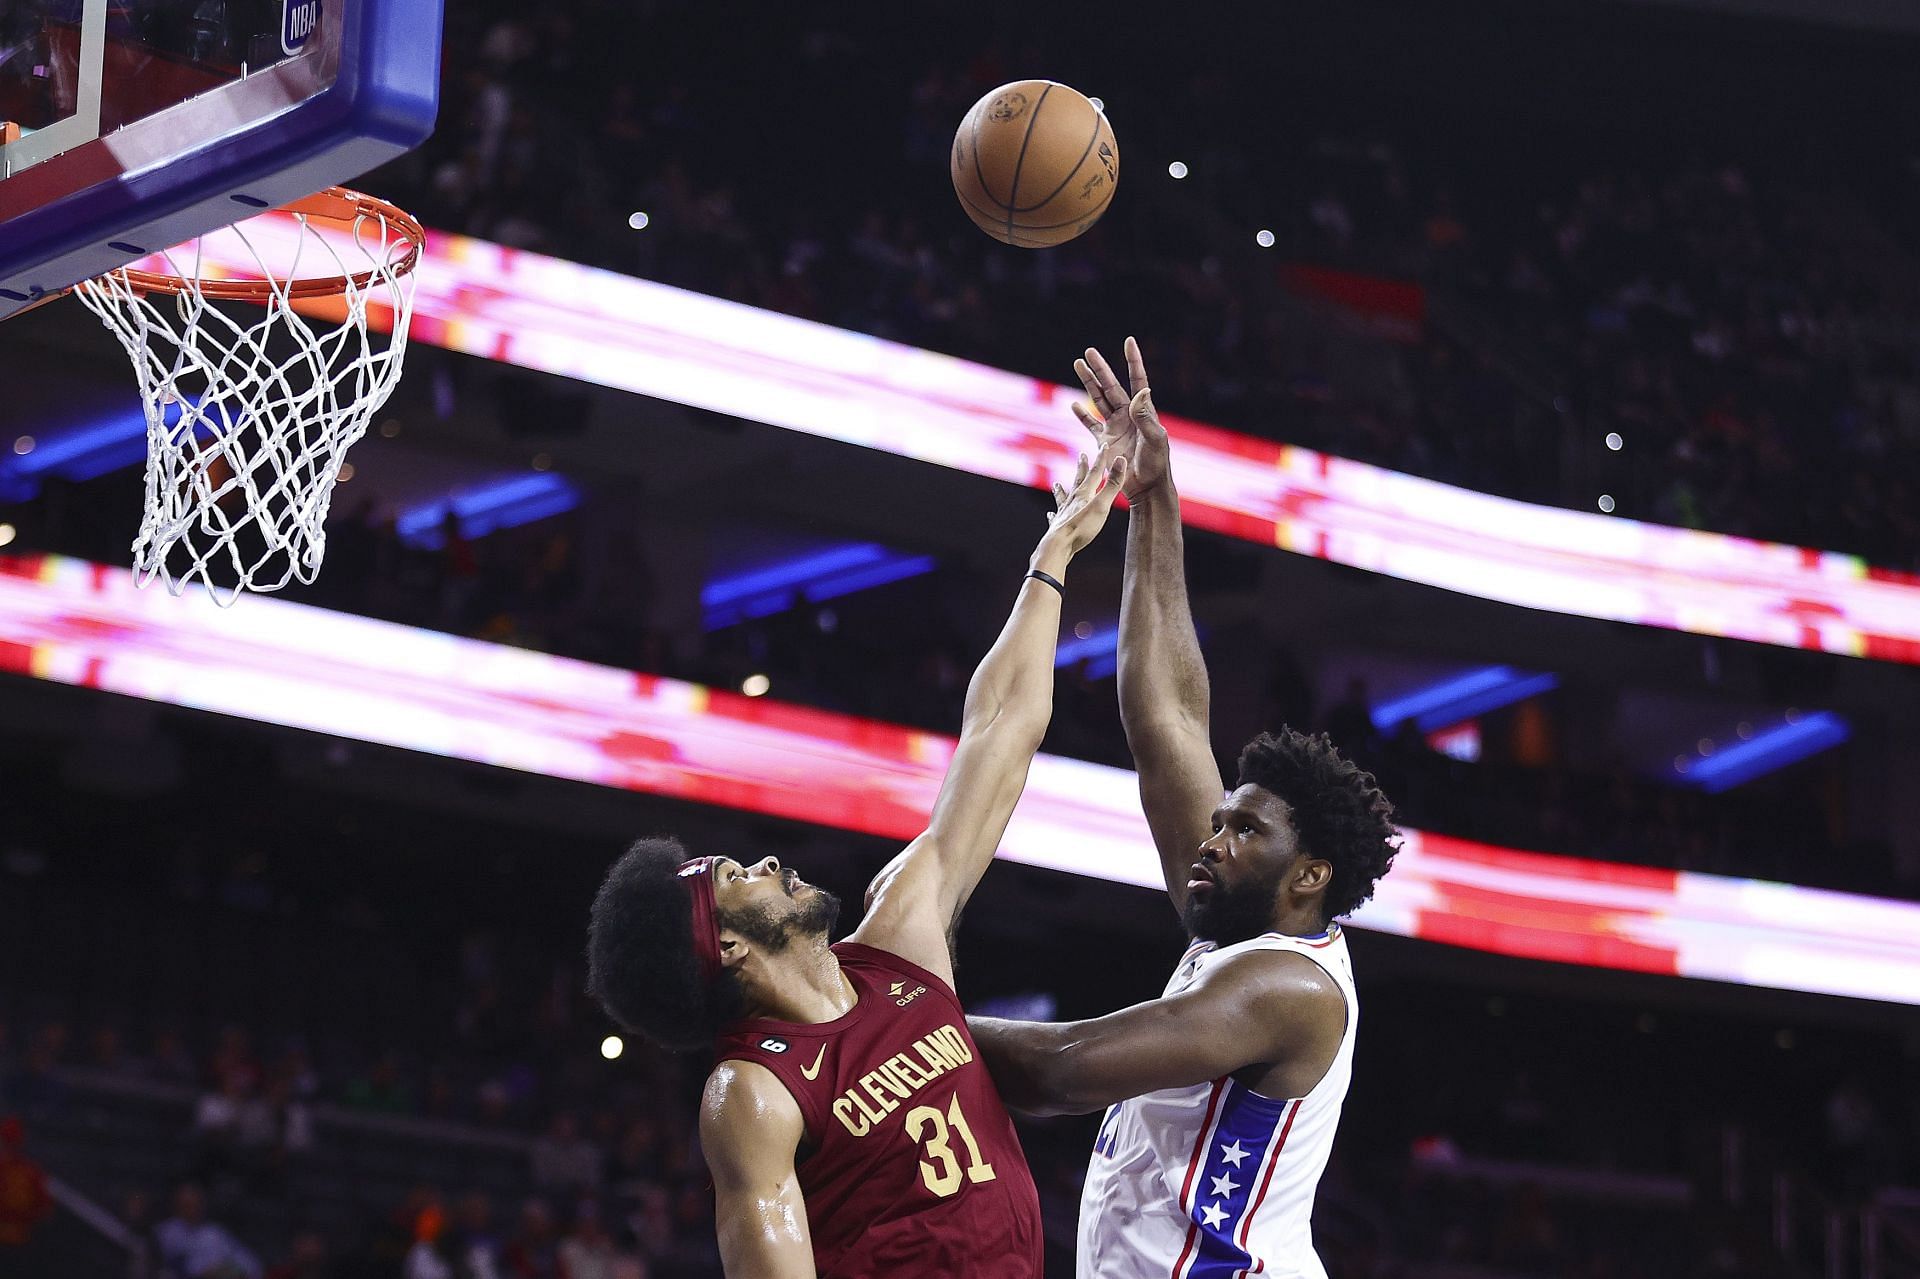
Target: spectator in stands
x: 35, y: 1087
x: 430, y: 1257
x: 637, y: 1155
x: 192, y: 1247
x: 234, y: 1060
x: 651, y: 1221
x: 1526, y: 1240
x: 172, y: 1061
x: 24, y: 1200
x: 476, y: 1246
x: 235, y: 1128
x: 107, y: 1051
x: 1857, y: 1140
x: 588, y: 1252
x: 383, y: 1088
x: 534, y: 1251
x: 564, y: 1159
x: 307, y: 1258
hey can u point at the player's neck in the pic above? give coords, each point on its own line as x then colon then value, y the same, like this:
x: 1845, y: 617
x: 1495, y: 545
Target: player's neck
x: 802, y: 984
x: 1300, y: 919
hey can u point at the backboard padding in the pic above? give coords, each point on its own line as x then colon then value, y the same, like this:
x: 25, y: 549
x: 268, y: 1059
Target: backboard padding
x: 364, y: 91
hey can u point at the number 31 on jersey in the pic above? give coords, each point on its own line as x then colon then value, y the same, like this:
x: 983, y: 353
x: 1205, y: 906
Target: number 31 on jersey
x: 940, y: 1169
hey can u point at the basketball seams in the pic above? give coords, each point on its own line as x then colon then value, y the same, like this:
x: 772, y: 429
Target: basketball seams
x: 1072, y: 173
x: 994, y: 215
x: 979, y: 175
x: 1013, y: 188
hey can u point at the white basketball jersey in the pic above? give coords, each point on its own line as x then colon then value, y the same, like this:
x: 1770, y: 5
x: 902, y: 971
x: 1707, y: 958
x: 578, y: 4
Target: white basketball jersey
x: 1216, y: 1181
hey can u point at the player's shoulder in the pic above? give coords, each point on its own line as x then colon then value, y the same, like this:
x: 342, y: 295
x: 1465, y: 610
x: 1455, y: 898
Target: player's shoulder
x: 749, y: 1123
x: 1276, y: 974
x: 746, y: 1092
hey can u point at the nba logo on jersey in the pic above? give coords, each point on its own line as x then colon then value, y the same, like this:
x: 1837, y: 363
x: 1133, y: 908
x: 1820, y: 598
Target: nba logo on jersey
x: 298, y: 20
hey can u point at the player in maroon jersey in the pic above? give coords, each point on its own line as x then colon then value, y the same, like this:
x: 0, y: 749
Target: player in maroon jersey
x: 849, y: 1126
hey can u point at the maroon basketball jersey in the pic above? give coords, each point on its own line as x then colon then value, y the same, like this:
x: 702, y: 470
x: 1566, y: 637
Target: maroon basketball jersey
x: 910, y: 1164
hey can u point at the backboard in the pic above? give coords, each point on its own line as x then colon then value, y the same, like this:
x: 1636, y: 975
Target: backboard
x: 127, y: 126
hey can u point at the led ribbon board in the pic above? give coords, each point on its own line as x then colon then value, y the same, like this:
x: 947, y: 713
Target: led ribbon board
x: 560, y: 317
x: 283, y: 663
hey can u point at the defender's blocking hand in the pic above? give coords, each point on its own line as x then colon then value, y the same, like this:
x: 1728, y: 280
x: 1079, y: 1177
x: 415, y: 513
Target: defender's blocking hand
x: 1124, y: 418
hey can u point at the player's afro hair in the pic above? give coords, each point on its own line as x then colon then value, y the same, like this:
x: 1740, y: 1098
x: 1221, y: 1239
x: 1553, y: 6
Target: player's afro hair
x: 1338, y: 810
x: 640, y: 960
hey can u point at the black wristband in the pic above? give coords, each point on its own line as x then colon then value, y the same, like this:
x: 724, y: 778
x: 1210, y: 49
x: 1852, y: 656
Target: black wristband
x: 1049, y: 579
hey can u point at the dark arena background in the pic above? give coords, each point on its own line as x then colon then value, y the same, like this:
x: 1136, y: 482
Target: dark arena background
x: 1544, y: 385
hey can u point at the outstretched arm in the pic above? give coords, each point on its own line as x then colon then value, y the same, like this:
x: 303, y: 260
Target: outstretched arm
x: 1257, y: 1009
x: 750, y: 1129
x: 1163, y: 678
x: 916, y: 899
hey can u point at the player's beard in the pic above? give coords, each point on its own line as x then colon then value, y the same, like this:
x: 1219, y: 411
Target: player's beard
x: 1230, y: 915
x: 812, y: 916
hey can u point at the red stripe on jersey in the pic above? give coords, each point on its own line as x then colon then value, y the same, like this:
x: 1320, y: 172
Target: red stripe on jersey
x: 1273, y: 1161
x: 1193, y: 1168
x: 1333, y: 935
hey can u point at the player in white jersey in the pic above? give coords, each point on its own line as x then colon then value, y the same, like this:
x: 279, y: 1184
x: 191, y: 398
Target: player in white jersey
x: 1222, y: 1095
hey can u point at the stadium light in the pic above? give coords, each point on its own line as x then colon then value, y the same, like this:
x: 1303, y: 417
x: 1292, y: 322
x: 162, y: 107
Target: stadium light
x: 1724, y: 767
x: 1460, y: 697
x: 486, y: 508
x: 813, y: 577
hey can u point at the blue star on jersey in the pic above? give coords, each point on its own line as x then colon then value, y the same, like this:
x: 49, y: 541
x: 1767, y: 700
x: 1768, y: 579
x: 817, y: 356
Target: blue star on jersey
x: 1248, y: 1130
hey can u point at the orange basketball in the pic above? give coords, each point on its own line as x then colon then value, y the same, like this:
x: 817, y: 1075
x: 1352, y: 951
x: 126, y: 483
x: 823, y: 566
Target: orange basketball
x: 1035, y: 163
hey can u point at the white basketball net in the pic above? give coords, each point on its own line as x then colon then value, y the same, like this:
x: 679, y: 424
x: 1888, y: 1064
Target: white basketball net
x: 250, y: 414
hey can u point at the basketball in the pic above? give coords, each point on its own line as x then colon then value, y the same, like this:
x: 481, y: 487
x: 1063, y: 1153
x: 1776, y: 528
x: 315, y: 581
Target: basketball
x: 1035, y: 163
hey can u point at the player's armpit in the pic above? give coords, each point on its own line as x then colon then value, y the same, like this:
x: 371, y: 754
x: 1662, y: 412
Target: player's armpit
x: 1260, y: 1009
x: 907, y: 910
x: 750, y: 1129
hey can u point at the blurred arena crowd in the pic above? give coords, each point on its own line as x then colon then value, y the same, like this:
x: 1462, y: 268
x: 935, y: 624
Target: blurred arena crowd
x: 362, y: 1061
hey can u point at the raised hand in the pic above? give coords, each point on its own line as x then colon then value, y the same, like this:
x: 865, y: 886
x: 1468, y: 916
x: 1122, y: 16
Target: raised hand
x: 1123, y: 419
x: 1081, y: 512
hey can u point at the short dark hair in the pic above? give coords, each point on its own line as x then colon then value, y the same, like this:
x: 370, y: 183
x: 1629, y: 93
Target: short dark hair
x: 640, y: 960
x: 1338, y: 810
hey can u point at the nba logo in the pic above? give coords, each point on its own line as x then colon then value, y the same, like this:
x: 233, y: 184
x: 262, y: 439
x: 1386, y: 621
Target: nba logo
x: 298, y: 20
